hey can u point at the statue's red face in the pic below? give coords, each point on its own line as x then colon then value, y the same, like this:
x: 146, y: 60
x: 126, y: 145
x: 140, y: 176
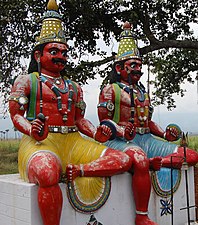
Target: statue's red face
x: 132, y: 68
x: 54, y: 58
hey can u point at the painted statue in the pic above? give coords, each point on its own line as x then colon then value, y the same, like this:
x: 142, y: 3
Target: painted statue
x: 49, y: 111
x: 125, y: 104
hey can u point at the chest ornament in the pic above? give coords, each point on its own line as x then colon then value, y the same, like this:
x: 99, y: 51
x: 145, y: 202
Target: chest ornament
x: 68, y: 88
x: 139, y: 102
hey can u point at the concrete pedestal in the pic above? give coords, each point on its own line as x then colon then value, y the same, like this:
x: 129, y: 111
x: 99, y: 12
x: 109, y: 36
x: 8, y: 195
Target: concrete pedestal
x: 18, y: 204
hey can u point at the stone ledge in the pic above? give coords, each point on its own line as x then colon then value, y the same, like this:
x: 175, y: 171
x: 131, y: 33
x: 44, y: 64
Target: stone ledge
x: 18, y: 204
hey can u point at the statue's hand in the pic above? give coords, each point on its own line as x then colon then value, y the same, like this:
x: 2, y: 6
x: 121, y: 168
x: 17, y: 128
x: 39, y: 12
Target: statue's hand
x: 155, y: 163
x: 129, y: 132
x: 173, y: 132
x: 39, y: 129
x: 72, y: 171
x: 103, y: 133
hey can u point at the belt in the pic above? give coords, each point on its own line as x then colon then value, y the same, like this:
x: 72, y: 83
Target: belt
x: 62, y: 129
x: 142, y: 130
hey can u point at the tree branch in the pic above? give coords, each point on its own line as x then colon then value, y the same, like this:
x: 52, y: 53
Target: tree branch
x: 183, y: 44
x: 97, y: 63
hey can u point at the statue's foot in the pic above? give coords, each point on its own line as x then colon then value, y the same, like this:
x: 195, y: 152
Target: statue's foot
x: 72, y: 171
x: 143, y: 220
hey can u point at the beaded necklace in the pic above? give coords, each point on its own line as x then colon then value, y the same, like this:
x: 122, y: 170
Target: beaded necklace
x: 63, y: 91
x: 131, y: 91
x: 57, y: 91
x: 57, y: 80
x: 126, y: 88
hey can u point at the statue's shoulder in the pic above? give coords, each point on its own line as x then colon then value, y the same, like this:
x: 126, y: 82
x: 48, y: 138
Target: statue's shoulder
x: 107, y: 88
x: 23, y: 79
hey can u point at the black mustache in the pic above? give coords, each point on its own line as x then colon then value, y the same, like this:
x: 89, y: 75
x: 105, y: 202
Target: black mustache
x: 136, y: 72
x: 57, y: 60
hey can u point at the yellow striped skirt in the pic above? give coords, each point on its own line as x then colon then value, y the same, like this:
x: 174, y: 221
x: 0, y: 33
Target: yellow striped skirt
x: 86, y: 194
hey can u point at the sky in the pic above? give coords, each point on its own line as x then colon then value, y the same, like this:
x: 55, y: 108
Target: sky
x: 185, y: 114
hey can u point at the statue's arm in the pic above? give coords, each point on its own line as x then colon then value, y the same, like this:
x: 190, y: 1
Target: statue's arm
x: 102, y: 133
x: 83, y: 124
x: 106, y: 109
x: 172, y: 132
x: 18, y: 104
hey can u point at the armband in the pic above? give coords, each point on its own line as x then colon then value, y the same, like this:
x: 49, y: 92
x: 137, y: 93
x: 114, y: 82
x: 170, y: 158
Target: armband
x: 109, y: 105
x: 22, y: 100
x: 82, y: 170
x: 81, y: 105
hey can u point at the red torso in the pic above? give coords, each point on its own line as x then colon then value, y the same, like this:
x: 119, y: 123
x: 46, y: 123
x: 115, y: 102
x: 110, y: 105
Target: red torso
x: 141, y: 114
x: 50, y: 106
x: 75, y: 116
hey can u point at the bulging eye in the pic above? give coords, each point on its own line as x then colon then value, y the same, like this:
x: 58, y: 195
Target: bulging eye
x: 64, y: 53
x: 133, y: 65
x: 53, y: 52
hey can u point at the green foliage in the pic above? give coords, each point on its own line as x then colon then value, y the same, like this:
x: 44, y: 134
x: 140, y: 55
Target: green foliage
x: 193, y: 142
x: 163, y: 27
x: 171, y: 70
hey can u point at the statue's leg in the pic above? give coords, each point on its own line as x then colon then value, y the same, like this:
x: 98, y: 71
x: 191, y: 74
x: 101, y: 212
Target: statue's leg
x: 177, y: 158
x: 44, y: 169
x: 110, y: 163
x: 141, y: 185
x: 114, y: 162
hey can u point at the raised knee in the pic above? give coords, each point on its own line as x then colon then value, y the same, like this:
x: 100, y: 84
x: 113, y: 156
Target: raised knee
x: 191, y: 155
x: 138, y: 158
x: 120, y: 157
x: 44, y: 169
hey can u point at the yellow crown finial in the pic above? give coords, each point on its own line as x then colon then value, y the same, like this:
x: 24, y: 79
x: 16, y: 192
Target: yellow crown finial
x: 127, y: 47
x: 52, y: 29
x: 52, y: 5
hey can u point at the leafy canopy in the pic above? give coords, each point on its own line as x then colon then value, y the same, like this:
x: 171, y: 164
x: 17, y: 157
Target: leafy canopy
x: 169, y: 45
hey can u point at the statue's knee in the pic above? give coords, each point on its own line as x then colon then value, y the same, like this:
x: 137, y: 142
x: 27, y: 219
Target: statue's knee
x: 44, y: 169
x: 138, y: 158
x: 122, y: 158
x: 191, y: 155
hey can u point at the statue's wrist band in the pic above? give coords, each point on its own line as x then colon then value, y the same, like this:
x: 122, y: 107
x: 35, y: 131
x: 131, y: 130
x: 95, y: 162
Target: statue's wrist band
x: 81, y: 170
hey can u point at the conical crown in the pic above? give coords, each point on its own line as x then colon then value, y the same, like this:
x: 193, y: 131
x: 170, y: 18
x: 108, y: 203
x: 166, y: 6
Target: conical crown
x: 127, y: 46
x: 52, y: 30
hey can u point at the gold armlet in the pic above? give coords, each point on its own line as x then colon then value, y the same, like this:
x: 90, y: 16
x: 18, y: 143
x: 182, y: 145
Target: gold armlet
x: 81, y: 105
x: 22, y: 100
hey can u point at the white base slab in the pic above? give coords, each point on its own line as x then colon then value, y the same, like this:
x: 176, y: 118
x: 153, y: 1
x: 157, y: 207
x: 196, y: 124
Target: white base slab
x: 18, y: 204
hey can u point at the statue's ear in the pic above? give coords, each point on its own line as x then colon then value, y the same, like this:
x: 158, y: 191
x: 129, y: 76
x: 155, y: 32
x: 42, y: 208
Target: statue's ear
x: 37, y: 55
x: 118, y: 68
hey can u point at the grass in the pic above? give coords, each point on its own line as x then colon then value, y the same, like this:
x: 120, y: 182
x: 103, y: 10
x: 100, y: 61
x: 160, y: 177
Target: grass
x: 193, y: 142
x: 9, y: 154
